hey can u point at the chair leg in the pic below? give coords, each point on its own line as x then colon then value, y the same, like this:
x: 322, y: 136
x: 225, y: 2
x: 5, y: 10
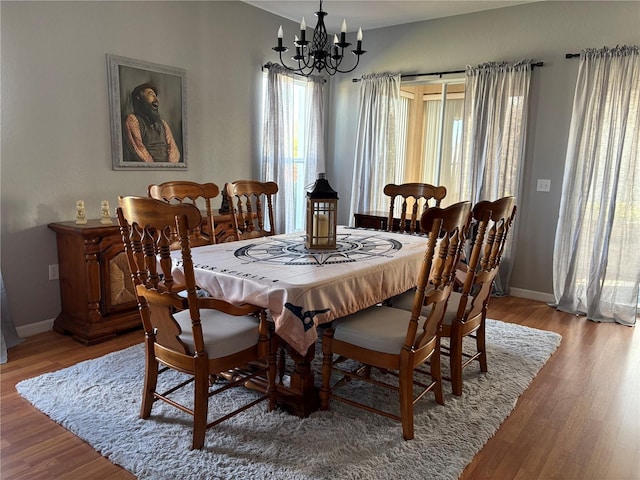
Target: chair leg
x: 281, y: 361
x: 455, y: 361
x: 327, y: 360
x: 406, y: 402
x: 200, y: 402
x: 436, y: 373
x: 150, y: 378
x: 482, y: 349
x: 272, y: 390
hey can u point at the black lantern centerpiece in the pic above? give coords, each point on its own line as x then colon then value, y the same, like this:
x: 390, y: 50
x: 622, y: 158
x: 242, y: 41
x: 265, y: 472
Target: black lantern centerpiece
x: 322, y: 210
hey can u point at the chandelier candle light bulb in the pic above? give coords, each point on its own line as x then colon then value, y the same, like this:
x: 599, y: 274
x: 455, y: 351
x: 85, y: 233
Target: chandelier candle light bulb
x: 303, y: 31
x: 280, y: 33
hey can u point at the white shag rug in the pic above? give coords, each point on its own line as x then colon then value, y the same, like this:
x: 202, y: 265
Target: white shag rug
x: 99, y: 400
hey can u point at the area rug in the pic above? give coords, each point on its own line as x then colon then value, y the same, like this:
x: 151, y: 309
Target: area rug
x: 99, y: 401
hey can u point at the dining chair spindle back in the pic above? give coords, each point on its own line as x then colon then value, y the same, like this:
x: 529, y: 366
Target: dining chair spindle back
x: 421, y: 194
x: 182, y: 191
x: 249, y: 200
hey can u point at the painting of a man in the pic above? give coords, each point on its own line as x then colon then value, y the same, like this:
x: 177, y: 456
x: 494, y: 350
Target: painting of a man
x: 141, y: 137
x: 147, y: 133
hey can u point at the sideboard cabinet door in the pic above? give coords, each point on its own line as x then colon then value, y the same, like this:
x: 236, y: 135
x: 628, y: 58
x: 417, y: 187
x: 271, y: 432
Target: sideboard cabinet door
x: 97, y: 295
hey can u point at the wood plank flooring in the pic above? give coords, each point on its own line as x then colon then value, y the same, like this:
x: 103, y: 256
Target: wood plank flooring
x: 579, y: 419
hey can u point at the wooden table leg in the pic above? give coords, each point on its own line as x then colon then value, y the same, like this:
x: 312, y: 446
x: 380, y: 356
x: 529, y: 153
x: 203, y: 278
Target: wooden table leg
x: 297, y: 393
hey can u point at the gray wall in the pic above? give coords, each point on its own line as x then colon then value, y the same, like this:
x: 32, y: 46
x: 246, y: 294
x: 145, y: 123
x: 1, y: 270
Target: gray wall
x: 55, y: 114
x: 542, y: 31
x: 55, y: 139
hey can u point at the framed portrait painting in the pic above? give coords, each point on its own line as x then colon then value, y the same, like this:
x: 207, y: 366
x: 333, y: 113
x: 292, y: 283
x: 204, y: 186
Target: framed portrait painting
x: 148, y: 106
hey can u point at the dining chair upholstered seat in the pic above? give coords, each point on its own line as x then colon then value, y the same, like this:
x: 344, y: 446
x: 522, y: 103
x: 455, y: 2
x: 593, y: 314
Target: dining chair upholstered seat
x: 467, y: 309
x: 222, y: 334
x: 389, y: 339
x: 404, y: 301
x: 198, y: 194
x: 423, y: 196
x: 203, y: 337
x: 250, y: 201
x: 381, y: 329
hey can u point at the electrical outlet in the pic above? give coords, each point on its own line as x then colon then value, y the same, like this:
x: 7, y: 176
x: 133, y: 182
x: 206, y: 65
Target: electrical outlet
x: 544, y: 185
x: 54, y: 273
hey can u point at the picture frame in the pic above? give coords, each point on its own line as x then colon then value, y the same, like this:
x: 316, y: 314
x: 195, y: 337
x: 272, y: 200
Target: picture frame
x: 153, y: 133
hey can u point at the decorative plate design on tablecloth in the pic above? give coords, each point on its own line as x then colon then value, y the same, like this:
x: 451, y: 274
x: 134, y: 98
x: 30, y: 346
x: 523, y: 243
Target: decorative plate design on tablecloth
x: 291, y: 251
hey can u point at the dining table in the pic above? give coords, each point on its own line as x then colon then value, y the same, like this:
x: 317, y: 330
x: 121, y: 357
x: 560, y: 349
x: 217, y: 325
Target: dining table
x: 303, y: 289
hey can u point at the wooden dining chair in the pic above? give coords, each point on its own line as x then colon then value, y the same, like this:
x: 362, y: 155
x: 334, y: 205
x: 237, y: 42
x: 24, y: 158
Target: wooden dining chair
x: 421, y: 193
x: 396, y: 341
x: 198, y: 194
x: 204, y: 338
x: 248, y: 200
x: 467, y: 308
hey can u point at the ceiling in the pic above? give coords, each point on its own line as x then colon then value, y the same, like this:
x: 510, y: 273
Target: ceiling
x: 376, y: 14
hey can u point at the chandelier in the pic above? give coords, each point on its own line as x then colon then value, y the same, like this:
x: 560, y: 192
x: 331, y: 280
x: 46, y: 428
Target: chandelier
x: 319, y: 55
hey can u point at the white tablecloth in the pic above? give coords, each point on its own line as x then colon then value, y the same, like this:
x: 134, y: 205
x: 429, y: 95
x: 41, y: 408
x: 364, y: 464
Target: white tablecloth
x: 302, y: 289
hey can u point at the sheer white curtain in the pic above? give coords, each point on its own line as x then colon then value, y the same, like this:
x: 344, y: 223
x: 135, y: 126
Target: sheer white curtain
x: 9, y: 336
x: 315, y: 129
x: 376, y: 142
x: 495, y: 123
x: 597, y: 247
x: 293, y: 128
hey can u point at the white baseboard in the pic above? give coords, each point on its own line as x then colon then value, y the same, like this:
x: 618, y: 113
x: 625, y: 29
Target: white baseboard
x: 532, y: 295
x: 34, y: 328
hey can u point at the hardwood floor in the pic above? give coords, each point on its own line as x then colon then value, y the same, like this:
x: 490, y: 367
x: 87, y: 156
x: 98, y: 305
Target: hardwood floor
x: 579, y: 419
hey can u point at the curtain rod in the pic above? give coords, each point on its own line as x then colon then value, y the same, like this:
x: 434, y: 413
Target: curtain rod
x: 408, y: 75
x: 571, y: 55
x: 266, y: 67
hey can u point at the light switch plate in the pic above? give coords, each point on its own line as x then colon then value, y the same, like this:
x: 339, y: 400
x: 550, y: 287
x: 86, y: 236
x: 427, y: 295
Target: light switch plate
x: 544, y: 185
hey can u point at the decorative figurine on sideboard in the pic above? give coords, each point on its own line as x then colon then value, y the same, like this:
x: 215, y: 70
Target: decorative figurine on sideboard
x: 105, y: 216
x: 81, y: 216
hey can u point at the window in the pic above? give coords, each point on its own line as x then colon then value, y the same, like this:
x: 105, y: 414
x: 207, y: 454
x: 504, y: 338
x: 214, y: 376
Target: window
x: 291, y: 156
x: 431, y: 134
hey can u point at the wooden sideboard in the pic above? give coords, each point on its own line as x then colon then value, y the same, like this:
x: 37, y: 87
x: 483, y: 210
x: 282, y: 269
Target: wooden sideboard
x: 377, y: 220
x: 96, y: 292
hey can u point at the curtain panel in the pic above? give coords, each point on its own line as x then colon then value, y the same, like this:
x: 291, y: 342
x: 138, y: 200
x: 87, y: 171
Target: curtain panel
x: 496, y: 108
x: 279, y: 139
x: 596, y: 261
x: 376, y: 142
x: 9, y: 336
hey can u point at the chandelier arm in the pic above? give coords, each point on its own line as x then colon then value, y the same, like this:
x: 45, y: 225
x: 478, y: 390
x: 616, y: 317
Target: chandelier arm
x: 300, y: 70
x: 351, y: 69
